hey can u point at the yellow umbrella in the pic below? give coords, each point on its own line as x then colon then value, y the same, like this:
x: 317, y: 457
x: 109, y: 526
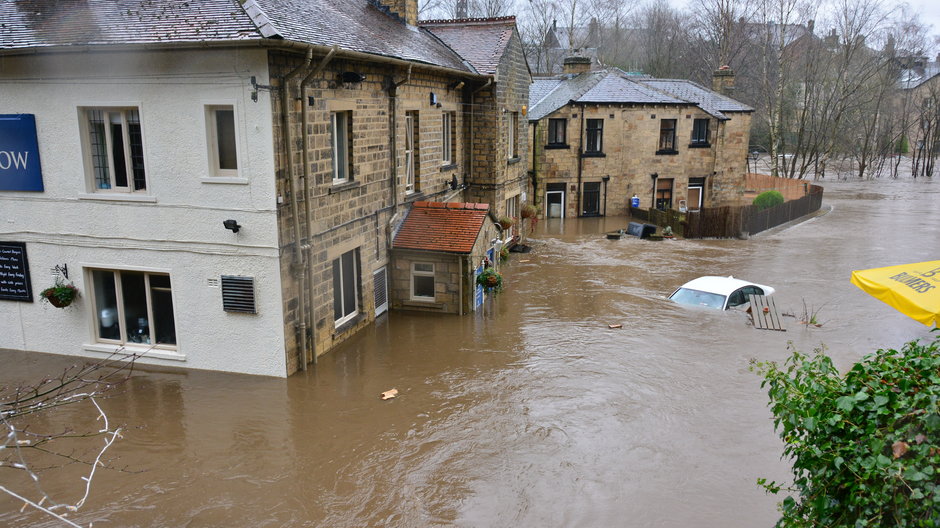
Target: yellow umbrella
x: 912, y: 289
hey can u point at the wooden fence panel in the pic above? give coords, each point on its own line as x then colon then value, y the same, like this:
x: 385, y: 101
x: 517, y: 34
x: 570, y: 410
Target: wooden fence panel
x: 732, y: 221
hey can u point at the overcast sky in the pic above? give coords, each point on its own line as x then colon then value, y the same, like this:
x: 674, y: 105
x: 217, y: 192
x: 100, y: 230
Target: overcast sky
x: 929, y: 14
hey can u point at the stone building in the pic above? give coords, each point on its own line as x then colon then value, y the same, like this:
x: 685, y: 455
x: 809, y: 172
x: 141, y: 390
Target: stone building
x: 437, y: 254
x: 223, y: 180
x: 602, y: 137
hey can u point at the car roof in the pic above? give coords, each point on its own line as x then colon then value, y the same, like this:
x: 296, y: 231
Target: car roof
x: 720, y: 285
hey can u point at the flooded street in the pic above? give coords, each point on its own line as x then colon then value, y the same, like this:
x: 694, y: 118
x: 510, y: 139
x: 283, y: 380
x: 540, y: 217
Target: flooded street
x: 533, y: 413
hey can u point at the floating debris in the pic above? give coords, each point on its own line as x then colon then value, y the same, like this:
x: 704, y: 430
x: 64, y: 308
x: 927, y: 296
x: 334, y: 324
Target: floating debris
x: 615, y: 326
x: 389, y: 394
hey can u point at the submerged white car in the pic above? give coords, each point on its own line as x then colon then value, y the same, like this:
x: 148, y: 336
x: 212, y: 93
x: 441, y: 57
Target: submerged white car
x: 718, y: 292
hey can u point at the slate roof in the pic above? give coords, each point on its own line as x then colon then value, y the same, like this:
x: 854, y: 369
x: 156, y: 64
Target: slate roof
x: 712, y: 102
x: 442, y: 227
x: 355, y: 25
x: 482, y: 41
x: 44, y: 23
x: 914, y: 77
x: 614, y: 86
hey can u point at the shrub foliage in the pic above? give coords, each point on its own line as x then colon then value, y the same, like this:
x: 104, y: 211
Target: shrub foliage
x: 865, y: 447
x: 768, y: 199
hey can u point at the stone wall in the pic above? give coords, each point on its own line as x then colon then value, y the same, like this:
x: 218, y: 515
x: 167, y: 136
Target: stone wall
x: 447, y: 275
x: 496, y: 176
x: 361, y: 214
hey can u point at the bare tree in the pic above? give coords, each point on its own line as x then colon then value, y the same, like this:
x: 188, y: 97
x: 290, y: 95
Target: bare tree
x: 32, y: 442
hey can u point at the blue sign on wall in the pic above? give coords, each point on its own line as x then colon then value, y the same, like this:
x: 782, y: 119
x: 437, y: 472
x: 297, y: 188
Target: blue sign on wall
x: 19, y: 153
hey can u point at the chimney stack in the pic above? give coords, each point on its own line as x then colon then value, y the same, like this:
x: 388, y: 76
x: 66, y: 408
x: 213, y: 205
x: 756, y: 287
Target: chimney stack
x: 576, y: 65
x: 406, y: 10
x: 723, y: 81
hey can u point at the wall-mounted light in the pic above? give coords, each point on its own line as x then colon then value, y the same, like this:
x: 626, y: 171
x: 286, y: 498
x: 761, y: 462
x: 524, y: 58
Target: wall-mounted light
x: 231, y: 225
x: 352, y: 77
x: 606, y: 179
x: 433, y: 98
x: 454, y: 183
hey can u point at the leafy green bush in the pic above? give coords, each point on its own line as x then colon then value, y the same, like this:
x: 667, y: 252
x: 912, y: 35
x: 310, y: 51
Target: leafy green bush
x: 865, y: 447
x: 768, y: 199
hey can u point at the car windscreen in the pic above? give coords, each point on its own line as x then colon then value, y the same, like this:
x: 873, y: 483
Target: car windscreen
x: 698, y: 298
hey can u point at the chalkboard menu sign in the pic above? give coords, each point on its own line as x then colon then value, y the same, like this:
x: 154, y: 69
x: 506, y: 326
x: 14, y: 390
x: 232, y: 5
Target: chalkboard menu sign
x: 14, y: 272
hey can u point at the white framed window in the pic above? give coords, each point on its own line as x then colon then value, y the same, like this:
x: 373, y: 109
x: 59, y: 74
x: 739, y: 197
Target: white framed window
x: 222, y: 140
x: 511, y: 136
x: 346, y: 287
x: 447, y: 138
x: 133, y: 307
x: 557, y: 128
x: 114, y: 149
x: 340, y: 124
x: 412, y: 168
x: 422, y: 281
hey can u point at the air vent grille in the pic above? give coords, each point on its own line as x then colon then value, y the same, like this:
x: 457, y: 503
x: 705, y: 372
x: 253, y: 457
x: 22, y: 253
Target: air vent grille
x: 238, y: 294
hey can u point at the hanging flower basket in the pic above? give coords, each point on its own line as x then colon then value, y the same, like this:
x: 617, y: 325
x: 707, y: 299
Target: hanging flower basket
x: 60, y: 295
x: 491, y: 280
x: 506, y: 222
x: 529, y: 211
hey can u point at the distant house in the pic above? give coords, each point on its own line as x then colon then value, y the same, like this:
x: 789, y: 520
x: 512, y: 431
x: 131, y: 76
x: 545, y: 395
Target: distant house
x: 918, y: 106
x: 223, y: 180
x: 602, y: 137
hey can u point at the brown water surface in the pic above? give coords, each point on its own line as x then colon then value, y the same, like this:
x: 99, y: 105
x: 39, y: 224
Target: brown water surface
x: 532, y: 413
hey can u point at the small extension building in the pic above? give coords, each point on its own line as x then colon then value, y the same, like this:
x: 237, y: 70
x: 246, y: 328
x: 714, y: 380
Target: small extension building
x: 601, y: 137
x: 223, y: 180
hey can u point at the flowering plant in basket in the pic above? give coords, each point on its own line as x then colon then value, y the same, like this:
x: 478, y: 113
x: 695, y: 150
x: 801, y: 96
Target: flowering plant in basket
x: 491, y: 280
x: 60, y: 294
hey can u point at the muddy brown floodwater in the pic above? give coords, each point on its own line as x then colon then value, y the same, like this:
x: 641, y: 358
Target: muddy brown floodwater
x: 532, y: 413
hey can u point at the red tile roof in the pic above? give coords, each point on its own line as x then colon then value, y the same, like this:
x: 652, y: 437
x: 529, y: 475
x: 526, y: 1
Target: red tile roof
x: 445, y: 227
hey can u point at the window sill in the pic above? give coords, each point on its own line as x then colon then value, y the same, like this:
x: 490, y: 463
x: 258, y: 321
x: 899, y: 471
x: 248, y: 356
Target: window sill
x: 513, y: 161
x: 415, y: 303
x: 557, y: 146
x: 232, y: 180
x: 348, y: 325
x: 700, y: 145
x: 339, y: 187
x: 667, y: 152
x: 414, y: 197
x: 118, y: 197
x: 593, y: 155
x: 129, y: 349
x: 449, y: 166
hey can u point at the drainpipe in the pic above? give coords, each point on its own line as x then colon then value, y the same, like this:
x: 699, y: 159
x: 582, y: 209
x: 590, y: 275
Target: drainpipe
x: 393, y: 150
x: 654, y: 177
x: 580, y: 161
x: 295, y: 213
x: 535, y: 163
x: 472, y: 128
x: 308, y: 257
